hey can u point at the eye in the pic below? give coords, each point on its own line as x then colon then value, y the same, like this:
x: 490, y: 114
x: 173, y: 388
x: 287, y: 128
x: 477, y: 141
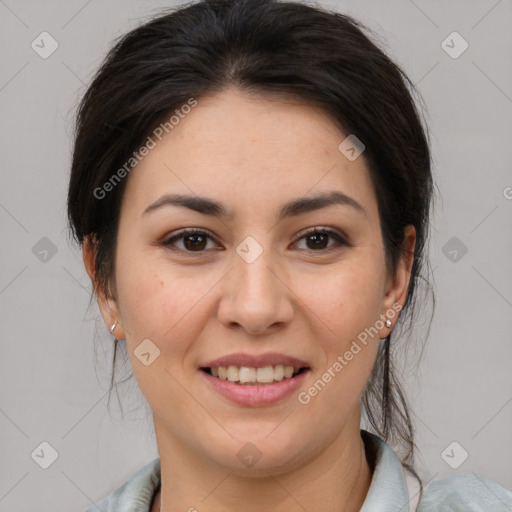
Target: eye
x: 320, y: 238
x: 195, y: 240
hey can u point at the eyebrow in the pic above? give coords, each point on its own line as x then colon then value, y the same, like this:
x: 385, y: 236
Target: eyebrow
x: 293, y: 208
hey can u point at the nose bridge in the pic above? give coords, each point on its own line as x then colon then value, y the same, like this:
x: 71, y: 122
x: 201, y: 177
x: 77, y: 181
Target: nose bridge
x: 254, y: 278
x: 257, y: 299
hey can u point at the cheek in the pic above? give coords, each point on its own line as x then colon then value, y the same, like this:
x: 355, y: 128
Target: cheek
x: 158, y: 306
x: 344, y: 305
x: 161, y: 302
x: 344, y: 300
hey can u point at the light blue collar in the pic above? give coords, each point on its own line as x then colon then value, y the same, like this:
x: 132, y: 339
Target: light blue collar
x: 388, y: 490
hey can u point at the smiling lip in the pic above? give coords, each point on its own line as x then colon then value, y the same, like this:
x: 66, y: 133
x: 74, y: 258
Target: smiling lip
x: 258, y: 394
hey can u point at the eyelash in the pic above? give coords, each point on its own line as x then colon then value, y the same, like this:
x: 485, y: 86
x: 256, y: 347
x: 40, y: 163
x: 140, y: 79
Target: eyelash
x: 341, y: 241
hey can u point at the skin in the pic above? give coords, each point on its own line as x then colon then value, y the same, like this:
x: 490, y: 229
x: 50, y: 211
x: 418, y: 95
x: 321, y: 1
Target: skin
x: 253, y: 153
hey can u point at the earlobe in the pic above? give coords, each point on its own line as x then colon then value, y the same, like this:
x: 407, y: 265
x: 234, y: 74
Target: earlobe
x: 112, y: 329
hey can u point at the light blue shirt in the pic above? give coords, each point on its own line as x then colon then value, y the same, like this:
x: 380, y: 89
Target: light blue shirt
x: 391, y: 489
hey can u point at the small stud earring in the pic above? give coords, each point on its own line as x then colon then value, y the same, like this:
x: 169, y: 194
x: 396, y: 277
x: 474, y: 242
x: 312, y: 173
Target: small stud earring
x: 113, y: 327
x: 388, y: 323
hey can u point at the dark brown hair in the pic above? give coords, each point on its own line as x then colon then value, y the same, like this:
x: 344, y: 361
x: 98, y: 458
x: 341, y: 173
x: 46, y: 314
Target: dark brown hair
x: 265, y: 47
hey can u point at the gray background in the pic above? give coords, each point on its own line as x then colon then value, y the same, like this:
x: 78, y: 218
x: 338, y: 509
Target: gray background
x: 51, y: 389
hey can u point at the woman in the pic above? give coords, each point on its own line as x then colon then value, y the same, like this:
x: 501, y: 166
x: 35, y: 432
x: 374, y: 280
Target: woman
x: 251, y: 186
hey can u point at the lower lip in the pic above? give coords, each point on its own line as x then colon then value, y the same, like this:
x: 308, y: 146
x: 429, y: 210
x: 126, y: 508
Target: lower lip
x: 256, y: 395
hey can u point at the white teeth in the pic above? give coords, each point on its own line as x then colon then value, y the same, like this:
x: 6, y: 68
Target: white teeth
x: 232, y: 373
x: 265, y: 374
x: 279, y: 372
x: 246, y: 375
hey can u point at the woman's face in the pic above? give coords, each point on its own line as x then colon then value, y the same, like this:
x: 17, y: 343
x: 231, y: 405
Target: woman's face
x: 255, y: 289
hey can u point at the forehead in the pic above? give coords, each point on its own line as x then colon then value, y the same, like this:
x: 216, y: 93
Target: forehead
x: 249, y: 152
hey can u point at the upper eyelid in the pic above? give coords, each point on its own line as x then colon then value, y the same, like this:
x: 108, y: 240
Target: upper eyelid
x: 321, y: 229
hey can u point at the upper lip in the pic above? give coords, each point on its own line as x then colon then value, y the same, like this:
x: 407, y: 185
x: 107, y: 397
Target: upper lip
x: 256, y: 361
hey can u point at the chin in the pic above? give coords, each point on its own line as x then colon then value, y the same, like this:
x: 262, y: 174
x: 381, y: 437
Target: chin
x: 257, y: 456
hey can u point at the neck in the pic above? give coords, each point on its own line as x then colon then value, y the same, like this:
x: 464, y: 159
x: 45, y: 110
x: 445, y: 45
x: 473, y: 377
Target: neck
x: 337, y: 480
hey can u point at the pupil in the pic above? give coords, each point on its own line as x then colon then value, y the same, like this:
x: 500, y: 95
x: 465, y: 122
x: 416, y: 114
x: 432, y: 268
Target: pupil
x: 318, y: 236
x: 194, y: 244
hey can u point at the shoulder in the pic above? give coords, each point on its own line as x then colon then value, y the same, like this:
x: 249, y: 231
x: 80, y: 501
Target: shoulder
x: 465, y: 492
x: 134, y: 495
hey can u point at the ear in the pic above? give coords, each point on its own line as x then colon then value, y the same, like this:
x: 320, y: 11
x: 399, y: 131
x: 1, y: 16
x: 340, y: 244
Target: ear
x: 397, y: 285
x: 108, y: 306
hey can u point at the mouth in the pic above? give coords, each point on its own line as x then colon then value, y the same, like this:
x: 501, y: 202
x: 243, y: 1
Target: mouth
x: 251, y: 376
x: 255, y: 380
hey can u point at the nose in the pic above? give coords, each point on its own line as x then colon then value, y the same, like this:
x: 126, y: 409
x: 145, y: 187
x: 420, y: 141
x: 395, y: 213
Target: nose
x: 256, y: 296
